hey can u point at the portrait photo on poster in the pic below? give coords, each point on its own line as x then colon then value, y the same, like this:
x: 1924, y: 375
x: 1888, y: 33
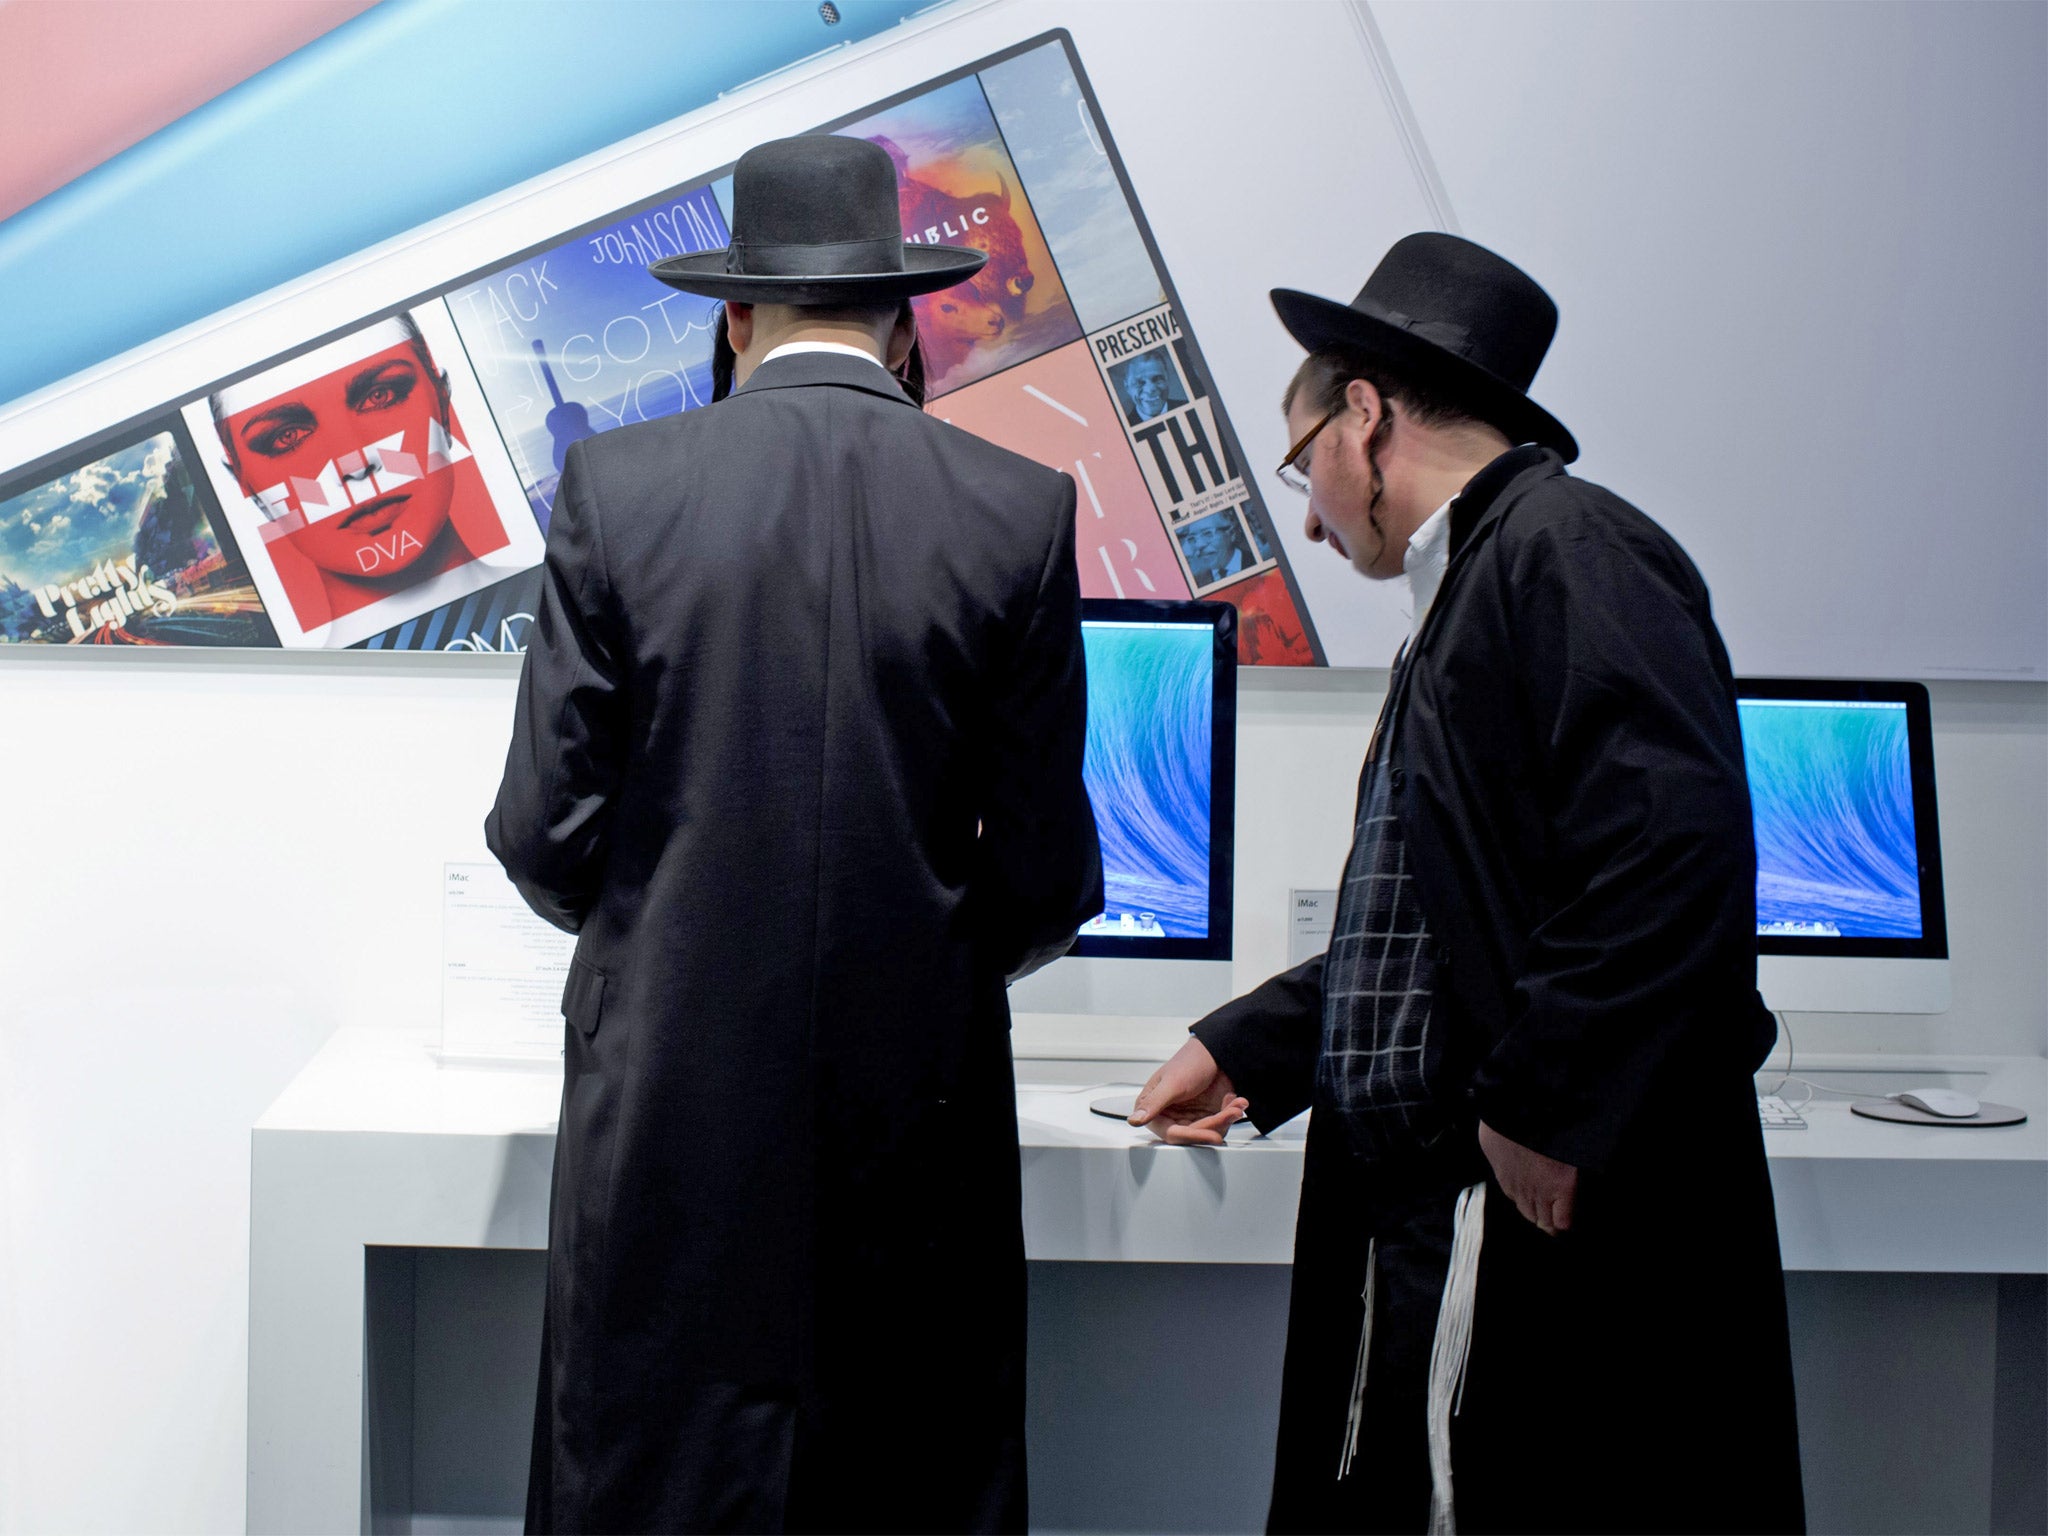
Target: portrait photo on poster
x: 365, y: 480
x: 1148, y: 385
x: 1215, y: 549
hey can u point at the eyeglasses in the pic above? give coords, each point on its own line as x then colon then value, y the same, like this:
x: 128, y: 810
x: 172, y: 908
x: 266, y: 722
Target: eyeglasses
x: 1292, y: 472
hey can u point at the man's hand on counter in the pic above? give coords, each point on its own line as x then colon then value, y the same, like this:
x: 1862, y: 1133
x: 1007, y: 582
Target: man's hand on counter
x: 1190, y: 1100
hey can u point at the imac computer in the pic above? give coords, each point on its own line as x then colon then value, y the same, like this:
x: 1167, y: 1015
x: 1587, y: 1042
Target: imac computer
x: 1161, y: 769
x: 1849, y: 909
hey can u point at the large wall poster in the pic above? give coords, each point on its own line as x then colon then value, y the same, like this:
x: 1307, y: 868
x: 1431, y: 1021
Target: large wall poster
x: 388, y: 486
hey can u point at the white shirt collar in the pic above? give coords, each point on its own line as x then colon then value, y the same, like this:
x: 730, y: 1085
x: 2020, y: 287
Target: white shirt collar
x: 1426, y: 558
x: 791, y: 348
x: 1428, y: 552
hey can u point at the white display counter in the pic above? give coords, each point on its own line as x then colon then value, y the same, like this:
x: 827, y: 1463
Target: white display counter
x: 376, y: 1145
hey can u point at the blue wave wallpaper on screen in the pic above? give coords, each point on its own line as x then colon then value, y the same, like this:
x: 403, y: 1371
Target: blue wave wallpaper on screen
x: 1831, y: 787
x: 1147, y: 770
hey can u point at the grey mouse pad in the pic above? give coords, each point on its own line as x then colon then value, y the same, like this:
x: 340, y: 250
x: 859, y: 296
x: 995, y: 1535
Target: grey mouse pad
x: 1906, y: 1114
x: 1117, y: 1106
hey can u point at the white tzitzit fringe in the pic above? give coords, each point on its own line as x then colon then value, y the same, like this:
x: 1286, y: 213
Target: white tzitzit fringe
x: 1355, y: 1420
x: 1449, y: 1354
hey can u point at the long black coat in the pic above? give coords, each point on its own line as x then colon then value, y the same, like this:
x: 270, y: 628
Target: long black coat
x: 793, y: 650
x: 1568, y: 776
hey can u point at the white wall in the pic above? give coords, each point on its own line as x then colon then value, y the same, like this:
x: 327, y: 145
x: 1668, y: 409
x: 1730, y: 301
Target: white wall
x: 1800, y: 253
x: 209, y: 867
x: 220, y: 872
x: 211, y: 863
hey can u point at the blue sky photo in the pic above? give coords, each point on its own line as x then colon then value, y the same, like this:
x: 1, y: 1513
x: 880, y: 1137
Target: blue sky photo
x: 1057, y: 147
x: 58, y: 531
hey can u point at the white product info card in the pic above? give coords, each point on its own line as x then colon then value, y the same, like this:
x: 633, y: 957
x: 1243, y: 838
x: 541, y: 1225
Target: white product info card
x: 502, y: 970
x: 1311, y: 918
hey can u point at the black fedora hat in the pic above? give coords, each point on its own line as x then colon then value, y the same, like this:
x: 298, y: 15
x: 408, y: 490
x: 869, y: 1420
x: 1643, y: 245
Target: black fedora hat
x: 1452, y: 316
x: 815, y: 221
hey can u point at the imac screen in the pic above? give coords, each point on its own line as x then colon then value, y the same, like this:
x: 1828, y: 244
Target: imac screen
x: 1150, y: 722
x: 1831, y: 788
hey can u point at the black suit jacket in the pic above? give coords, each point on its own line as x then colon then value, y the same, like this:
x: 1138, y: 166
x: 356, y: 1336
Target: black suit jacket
x: 797, y: 755
x: 1570, y: 782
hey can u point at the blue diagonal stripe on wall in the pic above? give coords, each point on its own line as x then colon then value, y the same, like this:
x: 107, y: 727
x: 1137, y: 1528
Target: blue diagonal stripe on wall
x: 408, y: 112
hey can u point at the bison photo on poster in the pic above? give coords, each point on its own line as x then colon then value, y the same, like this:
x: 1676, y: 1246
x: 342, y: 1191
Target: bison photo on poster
x: 365, y: 480
x: 957, y: 185
x: 121, y: 549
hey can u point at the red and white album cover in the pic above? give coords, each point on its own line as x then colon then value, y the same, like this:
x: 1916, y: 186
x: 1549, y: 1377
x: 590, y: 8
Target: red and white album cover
x: 365, y: 481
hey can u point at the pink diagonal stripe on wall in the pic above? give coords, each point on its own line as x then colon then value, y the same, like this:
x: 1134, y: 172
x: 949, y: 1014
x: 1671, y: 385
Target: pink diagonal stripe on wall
x: 81, y: 80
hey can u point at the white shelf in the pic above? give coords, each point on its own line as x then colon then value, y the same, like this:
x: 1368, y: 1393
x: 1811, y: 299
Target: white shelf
x: 378, y: 1143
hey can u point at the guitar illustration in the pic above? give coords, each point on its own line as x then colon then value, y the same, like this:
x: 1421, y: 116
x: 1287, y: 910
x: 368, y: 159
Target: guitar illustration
x: 568, y: 422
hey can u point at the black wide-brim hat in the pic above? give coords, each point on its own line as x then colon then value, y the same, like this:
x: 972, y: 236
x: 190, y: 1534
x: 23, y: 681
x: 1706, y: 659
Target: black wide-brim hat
x: 1452, y: 317
x: 815, y: 220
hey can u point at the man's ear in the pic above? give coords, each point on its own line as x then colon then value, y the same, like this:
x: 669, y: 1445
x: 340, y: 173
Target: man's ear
x: 902, y: 336
x: 739, y: 324
x: 1363, y: 395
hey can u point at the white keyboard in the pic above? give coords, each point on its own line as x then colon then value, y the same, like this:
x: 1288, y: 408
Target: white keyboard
x: 1777, y: 1115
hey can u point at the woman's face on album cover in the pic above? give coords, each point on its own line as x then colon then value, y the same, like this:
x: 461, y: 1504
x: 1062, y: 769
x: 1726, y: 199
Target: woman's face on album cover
x: 393, y: 504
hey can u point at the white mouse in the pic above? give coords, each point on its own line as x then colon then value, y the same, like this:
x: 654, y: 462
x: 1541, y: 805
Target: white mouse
x: 1945, y: 1102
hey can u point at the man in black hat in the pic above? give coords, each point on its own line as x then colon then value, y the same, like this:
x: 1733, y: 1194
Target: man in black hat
x: 1536, y: 1281
x: 797, y: 755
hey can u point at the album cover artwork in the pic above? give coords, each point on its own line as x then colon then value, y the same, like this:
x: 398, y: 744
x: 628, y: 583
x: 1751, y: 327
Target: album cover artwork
x: 1197, y: 487
x: 1269, y: 628
x: 364, y: 481
x: 1054, y: 409
x: 1260, y: 527
x: 1169, y: 418
x: 578, y: 339
x: 122, y: 550
x: 496, y: 618
x: 1059, y: 151
x: 958, y: 186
